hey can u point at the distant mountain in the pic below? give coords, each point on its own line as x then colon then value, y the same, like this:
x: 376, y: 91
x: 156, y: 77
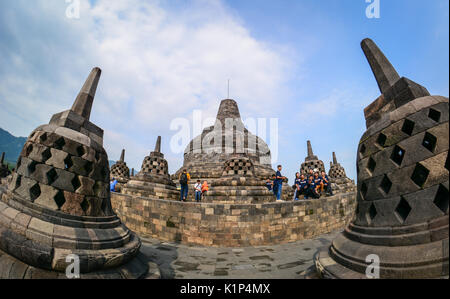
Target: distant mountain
x: 11, y: 145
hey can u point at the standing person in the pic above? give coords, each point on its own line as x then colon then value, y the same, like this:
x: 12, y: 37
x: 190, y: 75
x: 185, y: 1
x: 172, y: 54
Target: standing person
x: 184, y: 182
x: 279, y: 182
x: 113, y: 184
x: 326, y: 183
x: 297, y: 186
x: 198, y: 191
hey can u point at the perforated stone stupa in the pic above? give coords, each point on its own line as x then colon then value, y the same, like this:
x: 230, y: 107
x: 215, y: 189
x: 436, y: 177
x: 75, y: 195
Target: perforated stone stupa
x: 311, y: 161
x: 120, y: 172
x: 403, y: 182
x: 153, y: 180
x: 340, y: 183
x: 58, y: 203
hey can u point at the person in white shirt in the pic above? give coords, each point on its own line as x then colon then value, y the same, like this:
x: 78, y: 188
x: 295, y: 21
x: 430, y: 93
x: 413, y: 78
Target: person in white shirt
x: 198, y: 191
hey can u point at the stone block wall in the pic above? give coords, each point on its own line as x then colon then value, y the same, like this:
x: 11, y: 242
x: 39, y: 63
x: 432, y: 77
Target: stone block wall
x: 233, y: 225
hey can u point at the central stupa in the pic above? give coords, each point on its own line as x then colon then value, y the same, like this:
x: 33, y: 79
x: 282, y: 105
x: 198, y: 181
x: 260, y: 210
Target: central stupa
x: 234, y: 161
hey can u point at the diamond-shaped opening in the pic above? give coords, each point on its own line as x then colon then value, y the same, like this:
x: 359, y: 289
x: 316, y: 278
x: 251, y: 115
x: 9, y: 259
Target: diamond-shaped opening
x: 371, y: 165
x: 85, y: 205
x: 408, y: 127
x: 441, y: 199
x: 68, y: 162
x: 402, y: 210
x: 18, y: 182
x: 32, y: 166
x: 397, y: 155
x: 363, y: 149
x: 381, y: 139
x: 59, y: 199
x: 363, y: 190
x: 28, y: 150
x: 46, y: 154
x: 371, y: 213
x: 43, y: 137
x: 434, y: 115
x: 76, y: 183
x: 97, y: 156
x: 51, y: 176
x: 19, y: 162
x: 429, y: 142
x: 386, y: 184
x: 35, y: 192
x: 81, y: 151
x: 88, y: 166
x: 420, y: 175
x: 59, y: 144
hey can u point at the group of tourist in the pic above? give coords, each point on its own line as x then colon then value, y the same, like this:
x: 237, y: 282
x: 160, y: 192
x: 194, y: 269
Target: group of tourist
x: 313, y: 184
x: 200, y: 188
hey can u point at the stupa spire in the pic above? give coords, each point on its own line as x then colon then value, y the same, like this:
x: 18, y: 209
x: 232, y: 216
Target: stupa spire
x: 384, y: 72
x: 83, y: 103
x: 122, y: 156
x: 158, y: 145
x: 334, y: 158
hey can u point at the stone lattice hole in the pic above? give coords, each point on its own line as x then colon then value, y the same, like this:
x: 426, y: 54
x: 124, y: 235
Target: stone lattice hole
x: 35, y: 192
x: 364, y: 190
x: 402, y: 210
x: 434, y: 115
x: 397, y: 155
x: 381, y: 139
x: 441, y: 199
x: 386, y: 184
x: 59, y: 199
x: 420, y: 175
x: 51, y: 176
x: 371, y: 213
x: 371, y: 165
x: 429, y: 142
x: 408, y: 127
x: 59, y: 144
x: 68, y: 162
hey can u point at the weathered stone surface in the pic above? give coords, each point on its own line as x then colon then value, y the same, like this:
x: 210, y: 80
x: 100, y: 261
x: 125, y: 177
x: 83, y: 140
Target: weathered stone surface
x: 59, y: 202
x: 403, y: 184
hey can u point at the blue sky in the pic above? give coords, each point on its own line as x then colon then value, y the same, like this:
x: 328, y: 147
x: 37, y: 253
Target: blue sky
x: 296, y: 60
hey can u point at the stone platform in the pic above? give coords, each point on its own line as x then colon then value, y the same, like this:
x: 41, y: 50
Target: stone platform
x: 233, y: 225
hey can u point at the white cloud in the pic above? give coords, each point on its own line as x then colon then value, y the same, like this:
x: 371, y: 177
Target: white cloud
x: 158, y: 63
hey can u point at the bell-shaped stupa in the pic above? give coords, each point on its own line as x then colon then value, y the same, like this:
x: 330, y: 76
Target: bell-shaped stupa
x: 153, y: 180
x: 403, y: 181
x: 120, y: 172
x: 58, y: 203
x: 340, y: 183
x: 228, y: 154
x: 311, y: 162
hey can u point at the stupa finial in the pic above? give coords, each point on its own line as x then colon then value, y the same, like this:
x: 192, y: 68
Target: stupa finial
x: 158, y: 145
x: 384, y: 72
x: 122, y: 156
x: 83, y: 102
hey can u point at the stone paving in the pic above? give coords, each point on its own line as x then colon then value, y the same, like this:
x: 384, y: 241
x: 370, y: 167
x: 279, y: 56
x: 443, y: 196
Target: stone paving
x: 286, y: 261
